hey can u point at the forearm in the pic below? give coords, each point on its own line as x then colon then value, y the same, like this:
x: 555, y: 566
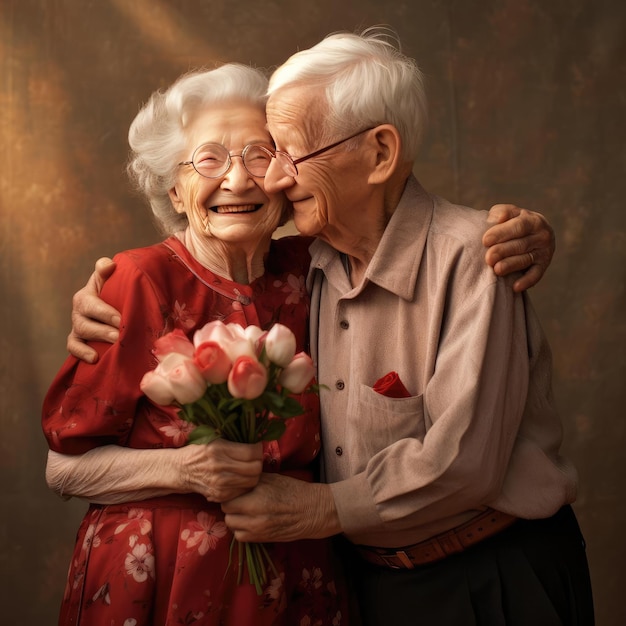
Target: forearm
x: 321, y: 513
x: 112, y: 474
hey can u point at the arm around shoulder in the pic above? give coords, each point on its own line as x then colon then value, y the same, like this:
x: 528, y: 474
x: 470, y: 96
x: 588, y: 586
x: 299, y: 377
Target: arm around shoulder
x: 519, y: 240
x: 92, y: 318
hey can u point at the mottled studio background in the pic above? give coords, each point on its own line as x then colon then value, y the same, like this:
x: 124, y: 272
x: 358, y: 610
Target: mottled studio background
x: 527, y: 105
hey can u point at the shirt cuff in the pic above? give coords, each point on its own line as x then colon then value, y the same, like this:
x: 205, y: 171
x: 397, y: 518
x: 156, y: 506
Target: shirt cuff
x: 355, y: 505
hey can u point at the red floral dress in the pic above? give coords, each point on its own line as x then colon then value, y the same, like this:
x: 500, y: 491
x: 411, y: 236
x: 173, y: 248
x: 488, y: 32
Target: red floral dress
x: 166, y: 560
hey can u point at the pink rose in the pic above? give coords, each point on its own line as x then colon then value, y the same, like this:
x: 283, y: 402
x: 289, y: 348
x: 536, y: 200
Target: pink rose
x: 213, y: 331
x: 175, y: 378
x: 187, y: 382
x: 298, y: 374
x: 242, y: 343
x: 157, y: 387
x: 212, y: 362
x: 176, y: 341
x: 257, y: 337
x: 231, y: 337
x: 254, y: 334
x: 247, y: 378
x: 280, y: 345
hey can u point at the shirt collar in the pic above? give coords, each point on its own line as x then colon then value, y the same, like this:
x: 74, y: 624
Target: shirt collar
x: 397, y: 259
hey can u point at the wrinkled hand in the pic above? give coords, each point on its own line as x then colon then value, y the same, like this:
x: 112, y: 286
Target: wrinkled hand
x: 220, y: 470
x: 519, y: 240
x: 92, y: 318
x: 281, y: 508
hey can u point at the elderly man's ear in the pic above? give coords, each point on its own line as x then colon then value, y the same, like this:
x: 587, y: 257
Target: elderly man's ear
x: 385, y: 141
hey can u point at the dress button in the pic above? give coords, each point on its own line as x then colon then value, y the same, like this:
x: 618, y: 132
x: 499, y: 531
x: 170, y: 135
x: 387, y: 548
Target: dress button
x: 338, y: 450
x: 340, y: 385
x: 344, y: 324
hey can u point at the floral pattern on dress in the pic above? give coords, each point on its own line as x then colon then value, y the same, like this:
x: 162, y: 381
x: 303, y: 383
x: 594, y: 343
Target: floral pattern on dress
x: 182, y: 317
x: 167, y: 560
x: 311, y: 580
x: 205, y: 533
x: 92, y: 539
x: 139, y: 562
x: 102, y: 594
x: 294, y: 287
x: 137, y: 517
x: 177, y: 430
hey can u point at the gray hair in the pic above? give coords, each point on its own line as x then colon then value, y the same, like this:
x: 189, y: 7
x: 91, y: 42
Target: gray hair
x: 367, y: 81
x: 157, y: 138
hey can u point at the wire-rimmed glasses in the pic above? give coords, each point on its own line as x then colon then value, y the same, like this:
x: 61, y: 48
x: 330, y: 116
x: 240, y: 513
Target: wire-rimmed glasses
x: 288, y: 163
x: 213, y: 160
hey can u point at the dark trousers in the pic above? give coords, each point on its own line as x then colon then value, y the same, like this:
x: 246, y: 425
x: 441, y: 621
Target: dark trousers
x: 532, y: 574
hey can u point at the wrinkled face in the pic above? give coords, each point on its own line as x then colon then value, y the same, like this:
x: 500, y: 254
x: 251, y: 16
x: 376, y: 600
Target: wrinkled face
x: 328, y: 190
x: 233, y: 207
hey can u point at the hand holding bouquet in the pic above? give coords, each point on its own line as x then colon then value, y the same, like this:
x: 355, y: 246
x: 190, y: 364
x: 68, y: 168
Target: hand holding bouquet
x: 233, y: 383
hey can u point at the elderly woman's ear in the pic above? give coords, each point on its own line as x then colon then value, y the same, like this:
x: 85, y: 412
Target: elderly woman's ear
x: 176, y: 200
x: 386, y: 144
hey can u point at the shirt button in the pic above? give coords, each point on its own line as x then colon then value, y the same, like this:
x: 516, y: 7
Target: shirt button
x: 344, y: 324
x: 338, y: 450
x: 340, y: 385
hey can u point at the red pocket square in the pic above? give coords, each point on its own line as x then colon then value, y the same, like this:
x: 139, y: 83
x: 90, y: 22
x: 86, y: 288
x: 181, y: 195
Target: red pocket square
x: 391, y: 386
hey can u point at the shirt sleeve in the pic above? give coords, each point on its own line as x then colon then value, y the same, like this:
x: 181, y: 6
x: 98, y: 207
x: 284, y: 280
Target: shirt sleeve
x: 92, y: 405
x: 473, y: 405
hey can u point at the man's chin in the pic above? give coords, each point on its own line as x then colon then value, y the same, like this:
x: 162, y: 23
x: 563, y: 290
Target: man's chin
x: 306, y: 226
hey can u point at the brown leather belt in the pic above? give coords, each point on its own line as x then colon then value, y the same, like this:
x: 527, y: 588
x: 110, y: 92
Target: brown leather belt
x: 440, y: 546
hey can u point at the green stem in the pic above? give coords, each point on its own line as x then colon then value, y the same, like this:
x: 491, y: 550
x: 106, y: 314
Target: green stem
x: 250, y: 417
x: 256, y: 573
x: 210, y: 412
x: 268, y: 559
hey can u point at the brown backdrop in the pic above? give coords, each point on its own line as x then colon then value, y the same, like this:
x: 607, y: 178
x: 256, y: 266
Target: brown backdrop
x: 527, y: 105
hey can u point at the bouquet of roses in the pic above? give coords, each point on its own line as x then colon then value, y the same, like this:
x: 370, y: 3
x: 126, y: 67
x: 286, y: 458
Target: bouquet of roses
x: 235, y: 383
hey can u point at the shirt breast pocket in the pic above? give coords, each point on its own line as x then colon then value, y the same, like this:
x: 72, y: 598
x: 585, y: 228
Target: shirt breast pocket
x: 379, y: 421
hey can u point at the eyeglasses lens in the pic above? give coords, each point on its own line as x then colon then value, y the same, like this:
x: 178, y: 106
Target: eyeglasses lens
x: 213, y: 160
x: 256, y: 160
x: 286, y: 163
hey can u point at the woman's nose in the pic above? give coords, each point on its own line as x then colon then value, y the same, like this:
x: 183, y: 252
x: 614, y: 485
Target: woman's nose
x: 237, y: 179
x: 276, y: 179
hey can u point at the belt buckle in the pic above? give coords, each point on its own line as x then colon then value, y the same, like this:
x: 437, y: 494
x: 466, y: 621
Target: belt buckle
x: 391, y: 560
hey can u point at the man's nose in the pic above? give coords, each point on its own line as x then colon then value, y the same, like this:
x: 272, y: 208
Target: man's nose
x: 276, y: 179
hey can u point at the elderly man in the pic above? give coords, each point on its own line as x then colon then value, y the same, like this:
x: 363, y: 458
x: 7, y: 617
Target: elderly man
x: 441, y: 446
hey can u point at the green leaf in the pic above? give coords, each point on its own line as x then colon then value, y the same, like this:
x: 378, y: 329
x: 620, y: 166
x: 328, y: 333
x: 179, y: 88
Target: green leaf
x: 227, y: 405
x: 203, y: 434
x: 274, y: 402
x: 272, y: 430
x: 315, y: 388
x: 291, y: 407
x: 186, y: 413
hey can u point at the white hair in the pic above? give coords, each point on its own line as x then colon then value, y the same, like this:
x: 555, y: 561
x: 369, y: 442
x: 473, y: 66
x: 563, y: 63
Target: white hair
x: 367, y: 81
x: 157, y: 137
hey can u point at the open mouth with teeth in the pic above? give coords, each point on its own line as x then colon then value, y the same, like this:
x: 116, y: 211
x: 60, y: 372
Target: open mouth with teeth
x: 236, y: 208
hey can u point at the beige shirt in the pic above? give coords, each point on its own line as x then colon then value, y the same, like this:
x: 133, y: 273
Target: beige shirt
x: 479, y: 429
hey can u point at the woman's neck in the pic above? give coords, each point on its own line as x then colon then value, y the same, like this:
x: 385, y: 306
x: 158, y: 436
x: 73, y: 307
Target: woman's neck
x: 240, y: 262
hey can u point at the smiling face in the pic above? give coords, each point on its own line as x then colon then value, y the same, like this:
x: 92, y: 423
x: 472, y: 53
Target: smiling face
x: 329, y: 191
x: 233, y: 207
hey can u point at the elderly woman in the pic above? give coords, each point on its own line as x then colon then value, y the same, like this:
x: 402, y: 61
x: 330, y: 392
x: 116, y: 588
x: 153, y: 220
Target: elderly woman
x: 153, y: 547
